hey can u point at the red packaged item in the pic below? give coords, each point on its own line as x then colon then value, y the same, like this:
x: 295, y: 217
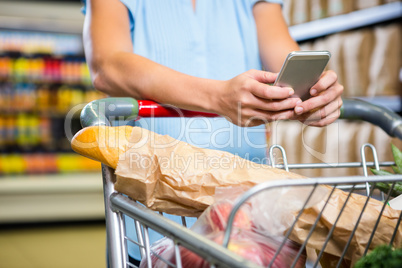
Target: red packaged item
x: 245, y: 240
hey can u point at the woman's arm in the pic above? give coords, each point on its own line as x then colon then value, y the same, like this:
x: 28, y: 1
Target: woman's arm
x: 274, y: 40
x: 275, y: 43
x: 117, y: 71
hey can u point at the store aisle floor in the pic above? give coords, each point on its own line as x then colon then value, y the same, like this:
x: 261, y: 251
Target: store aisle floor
x: 67, y: 245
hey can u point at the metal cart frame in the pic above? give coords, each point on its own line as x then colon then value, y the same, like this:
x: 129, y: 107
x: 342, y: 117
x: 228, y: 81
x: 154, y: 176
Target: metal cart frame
x: 117, y: 205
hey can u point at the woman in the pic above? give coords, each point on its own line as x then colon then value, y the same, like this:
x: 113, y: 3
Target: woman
x: 206, y: 56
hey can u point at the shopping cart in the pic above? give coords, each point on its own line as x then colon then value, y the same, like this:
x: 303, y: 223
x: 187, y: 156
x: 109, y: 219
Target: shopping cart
x: 117, y: 205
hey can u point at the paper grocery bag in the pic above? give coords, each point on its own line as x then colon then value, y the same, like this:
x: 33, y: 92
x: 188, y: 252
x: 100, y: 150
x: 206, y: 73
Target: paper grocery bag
x: 346, y: 224
x: 177, y: 178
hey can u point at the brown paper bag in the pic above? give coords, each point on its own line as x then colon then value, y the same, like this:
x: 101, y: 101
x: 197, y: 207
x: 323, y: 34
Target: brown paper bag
x: 346, y: 224
x: 175, y: 177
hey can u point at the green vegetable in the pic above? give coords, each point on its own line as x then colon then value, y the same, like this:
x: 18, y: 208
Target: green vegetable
x: 385, y: 187
x: 397, y: 170
x: 382, y: 256
x: 381, y: 172
x: 397, y: 156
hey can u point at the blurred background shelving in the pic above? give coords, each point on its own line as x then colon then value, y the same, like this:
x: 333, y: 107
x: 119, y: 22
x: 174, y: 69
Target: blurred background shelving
x: 44, y: 81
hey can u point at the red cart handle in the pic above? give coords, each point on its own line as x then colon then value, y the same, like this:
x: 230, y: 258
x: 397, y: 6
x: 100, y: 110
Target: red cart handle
x: 147, y: 108
x: 99, y: 112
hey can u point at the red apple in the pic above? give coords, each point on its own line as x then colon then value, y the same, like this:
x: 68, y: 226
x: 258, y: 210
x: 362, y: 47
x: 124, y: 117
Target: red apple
x: 219, y: 215
x: 163, y: 248
x: 248, y: 250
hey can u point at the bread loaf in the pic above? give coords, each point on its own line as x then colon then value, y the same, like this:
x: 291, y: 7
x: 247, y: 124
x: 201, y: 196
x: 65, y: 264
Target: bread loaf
x: 102, y: 143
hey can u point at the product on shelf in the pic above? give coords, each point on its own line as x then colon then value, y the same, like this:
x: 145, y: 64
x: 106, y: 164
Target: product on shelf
x: 41, y: 98
x: 45, y: 163
x: 338, y: 7
x: 301, y: 11
x: 386, y: 61
x: 42, y: 77
x: 44, y: 70
x: 358, y: 48
x: 36, y: 93
x: 318, y: 9
x: 334, y: 43
x: 287, y: 10
x: 38, y: 42
x: 361, y: 4
x: 367, y: 61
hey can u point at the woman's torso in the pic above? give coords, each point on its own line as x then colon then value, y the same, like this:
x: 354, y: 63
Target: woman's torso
x: 217, y: 40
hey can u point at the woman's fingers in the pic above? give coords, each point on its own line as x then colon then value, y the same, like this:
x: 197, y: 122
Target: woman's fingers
x: 253, y: 117
x: 262, y: 76
x: 322, y: 116
x: 270, y: 92
x: 274, y: 105
x: 323, y: 99
x: 324, y: 107
x: 327, y: 79
x: 259, y: 86
x: 325, y: 121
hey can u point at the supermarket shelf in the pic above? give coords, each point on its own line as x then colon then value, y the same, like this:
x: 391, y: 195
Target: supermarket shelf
x: 56, y: 197
x: 57, y: 17
x: 356, y: 19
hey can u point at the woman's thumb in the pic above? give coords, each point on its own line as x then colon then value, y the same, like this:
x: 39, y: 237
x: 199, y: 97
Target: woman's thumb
x: 263, y: 76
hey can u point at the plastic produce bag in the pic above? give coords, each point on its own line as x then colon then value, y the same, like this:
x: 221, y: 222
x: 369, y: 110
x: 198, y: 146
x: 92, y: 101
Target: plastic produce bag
x: 245, y: 239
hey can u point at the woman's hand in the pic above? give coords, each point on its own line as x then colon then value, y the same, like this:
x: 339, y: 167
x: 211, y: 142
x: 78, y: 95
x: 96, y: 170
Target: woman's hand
x: 247, y: 99
x: 324, y: 107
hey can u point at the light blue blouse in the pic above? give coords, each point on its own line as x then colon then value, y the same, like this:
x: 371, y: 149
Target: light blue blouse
x: 217, y: 41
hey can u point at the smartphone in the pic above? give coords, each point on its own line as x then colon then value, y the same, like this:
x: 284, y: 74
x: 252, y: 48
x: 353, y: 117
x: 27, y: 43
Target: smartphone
x: 301, y: 70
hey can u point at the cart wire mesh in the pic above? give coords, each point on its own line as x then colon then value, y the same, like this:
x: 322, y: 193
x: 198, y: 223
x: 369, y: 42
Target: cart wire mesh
x: 218, y: 255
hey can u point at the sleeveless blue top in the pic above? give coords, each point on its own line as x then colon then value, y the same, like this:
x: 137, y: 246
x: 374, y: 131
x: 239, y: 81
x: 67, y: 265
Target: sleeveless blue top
x: 217, y: 40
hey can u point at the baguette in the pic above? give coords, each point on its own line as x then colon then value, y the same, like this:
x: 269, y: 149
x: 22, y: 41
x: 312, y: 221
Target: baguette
x: 102, y: 143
